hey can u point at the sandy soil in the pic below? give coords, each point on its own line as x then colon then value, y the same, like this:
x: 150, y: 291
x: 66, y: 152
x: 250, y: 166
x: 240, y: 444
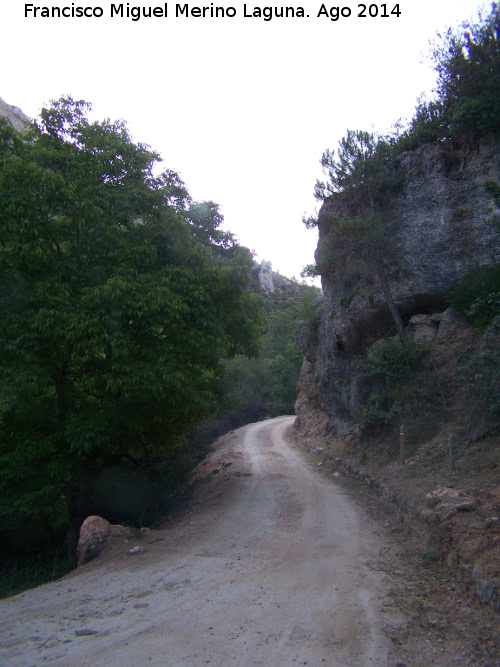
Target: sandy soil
x: 272, y: 564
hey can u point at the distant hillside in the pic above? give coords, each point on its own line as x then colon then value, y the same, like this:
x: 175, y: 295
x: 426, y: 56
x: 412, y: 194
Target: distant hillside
x: 265, y: 385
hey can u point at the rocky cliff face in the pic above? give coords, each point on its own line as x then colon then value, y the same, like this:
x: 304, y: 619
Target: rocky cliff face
x: 14, y: 115
x: 266, y: 276
x: 443, y: 222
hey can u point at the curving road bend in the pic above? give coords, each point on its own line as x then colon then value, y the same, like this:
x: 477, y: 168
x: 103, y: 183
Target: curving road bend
x: 271, y: 566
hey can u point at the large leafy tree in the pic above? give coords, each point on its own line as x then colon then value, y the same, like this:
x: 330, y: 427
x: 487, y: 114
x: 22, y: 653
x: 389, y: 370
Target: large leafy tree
x: 118, y: 298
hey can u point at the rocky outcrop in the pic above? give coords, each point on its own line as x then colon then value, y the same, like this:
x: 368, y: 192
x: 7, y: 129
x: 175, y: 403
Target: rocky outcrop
x: 95, y: 534
x: 266, y: 276
x: 442, y: 222
x: 16, y: 117
x: 444, y: 503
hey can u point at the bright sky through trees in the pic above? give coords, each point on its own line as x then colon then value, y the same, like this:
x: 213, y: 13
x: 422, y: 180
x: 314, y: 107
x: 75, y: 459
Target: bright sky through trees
x: 243, y: 108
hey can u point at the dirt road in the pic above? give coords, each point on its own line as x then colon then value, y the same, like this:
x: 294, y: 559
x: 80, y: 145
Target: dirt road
x: 273, y: 565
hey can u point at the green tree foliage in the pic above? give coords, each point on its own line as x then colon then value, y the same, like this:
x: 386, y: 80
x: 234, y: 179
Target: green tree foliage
x: 467, y: 95
x: 388, y: 373
x: 358, y: 171
x: 478, y: 296
x: 468, y: 67
x: 283, y: 357
x: 480, y: 372
x: 118, y: 298
x: 266, y: 386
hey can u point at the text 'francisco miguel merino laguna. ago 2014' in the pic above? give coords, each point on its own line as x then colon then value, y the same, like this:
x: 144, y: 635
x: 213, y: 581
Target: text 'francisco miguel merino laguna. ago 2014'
x: 179, y: 10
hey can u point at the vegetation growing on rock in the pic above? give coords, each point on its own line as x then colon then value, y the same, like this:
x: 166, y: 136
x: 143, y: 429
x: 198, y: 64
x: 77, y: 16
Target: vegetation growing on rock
x: 408, y: 227
x: 467, y: 95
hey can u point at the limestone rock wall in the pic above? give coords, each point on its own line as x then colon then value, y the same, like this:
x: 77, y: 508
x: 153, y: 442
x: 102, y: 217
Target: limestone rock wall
x: 443, y: 223
x: 266, y: 276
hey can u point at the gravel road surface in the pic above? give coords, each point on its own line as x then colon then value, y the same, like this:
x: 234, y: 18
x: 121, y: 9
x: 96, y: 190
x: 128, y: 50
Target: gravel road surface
x: 273, y: 564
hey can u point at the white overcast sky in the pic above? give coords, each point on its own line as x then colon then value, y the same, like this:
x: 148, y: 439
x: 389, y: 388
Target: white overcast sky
x: 242, y: 108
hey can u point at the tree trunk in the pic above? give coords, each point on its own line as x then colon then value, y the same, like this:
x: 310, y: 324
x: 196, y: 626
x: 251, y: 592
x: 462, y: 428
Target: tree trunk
x: 382, y: 275
x: 388, y: 297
